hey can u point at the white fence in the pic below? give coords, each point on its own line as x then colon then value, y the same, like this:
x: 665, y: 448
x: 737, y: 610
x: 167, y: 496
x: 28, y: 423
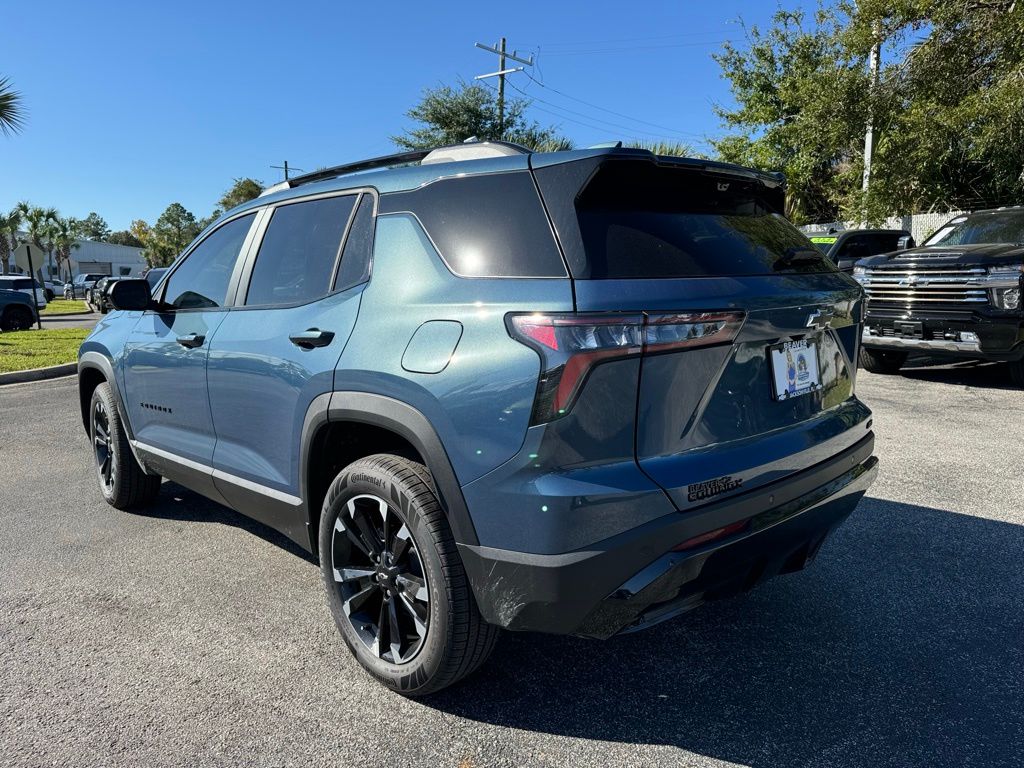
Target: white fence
x: 920, y: 225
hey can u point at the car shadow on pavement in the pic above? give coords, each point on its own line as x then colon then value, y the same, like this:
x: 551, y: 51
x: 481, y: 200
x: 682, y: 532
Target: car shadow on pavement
x: 902, y: 645
x: 968, y: 373
x: 178, y: 503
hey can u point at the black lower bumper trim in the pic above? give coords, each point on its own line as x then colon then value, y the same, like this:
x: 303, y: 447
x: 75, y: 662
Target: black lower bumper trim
x: 634, y: 580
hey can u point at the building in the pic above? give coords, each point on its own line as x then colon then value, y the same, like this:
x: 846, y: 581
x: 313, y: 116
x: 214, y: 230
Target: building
x: 89, y: 256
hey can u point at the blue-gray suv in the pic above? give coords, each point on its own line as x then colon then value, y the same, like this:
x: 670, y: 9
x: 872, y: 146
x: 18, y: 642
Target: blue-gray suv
x: 574, y: 392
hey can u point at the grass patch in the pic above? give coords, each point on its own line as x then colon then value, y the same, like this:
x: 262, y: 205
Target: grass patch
x: 24, y: 350
x: 64, y: 307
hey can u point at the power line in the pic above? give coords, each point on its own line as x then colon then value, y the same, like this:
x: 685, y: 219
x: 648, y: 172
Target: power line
x: 633, y: 39
x: 635, y: 48
x: 602, y: 128
x: 611, y: 111
x: 679, y: 136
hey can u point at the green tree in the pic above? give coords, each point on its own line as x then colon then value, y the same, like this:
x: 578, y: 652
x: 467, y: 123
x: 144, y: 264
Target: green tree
x: 169, y: 235
x: 12, y: 109
x: 450, y: 115
x: 64, y: 233
x: 668, y: 148
x: 947, y: 112
x: 800, y: 107
x: 125, y: 237
x: 242, y: 191
x: 94, y: 227
x: 9, y: 225
x: 38, y: 223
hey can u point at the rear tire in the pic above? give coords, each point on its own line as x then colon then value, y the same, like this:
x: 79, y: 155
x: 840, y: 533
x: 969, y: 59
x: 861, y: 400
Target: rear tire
x: 376, y: 507
x: 16, y: 318
x: 1017, y: 373
x: 879, y: 361
x: 123, y: 482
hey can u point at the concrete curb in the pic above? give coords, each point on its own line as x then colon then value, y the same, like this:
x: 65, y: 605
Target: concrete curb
x: 38, y: 374
x: 60, y: 315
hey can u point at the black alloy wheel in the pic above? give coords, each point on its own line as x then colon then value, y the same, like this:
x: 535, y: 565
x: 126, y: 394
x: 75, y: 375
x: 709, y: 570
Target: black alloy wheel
x: 103, y: 446
x: 381, y: 579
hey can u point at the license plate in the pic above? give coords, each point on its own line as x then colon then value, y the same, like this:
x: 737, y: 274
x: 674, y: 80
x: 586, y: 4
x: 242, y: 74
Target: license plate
x: 794, y: 368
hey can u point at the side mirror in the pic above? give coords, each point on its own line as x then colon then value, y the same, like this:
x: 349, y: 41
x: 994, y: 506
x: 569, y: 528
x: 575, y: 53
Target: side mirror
x: 132, y: 295
x: 904, y: 243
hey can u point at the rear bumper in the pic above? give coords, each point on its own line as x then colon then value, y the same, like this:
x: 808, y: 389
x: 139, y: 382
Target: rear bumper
x: 634, y: 580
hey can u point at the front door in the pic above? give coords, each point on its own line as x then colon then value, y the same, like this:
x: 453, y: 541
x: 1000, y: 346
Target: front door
x: 166, y: 355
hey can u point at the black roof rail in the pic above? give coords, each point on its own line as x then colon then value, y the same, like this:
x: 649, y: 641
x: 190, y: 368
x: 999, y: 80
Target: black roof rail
x: 470, y: 148
x: 385, y: 161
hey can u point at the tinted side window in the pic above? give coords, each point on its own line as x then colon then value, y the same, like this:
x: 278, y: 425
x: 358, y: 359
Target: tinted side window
x: 485, y: 226
x: 298, y: 253
x: 884, y: 243
x: 355, y: 259
x: 854, y: 247
x: 202, y: 279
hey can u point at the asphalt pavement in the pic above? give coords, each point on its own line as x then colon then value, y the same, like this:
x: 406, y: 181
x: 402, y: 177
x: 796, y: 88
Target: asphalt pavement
x: 188, y: 635
x: 71, y: 321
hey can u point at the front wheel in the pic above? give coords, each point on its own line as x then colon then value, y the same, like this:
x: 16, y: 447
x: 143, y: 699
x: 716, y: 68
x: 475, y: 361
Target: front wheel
x: 124, y: 484
x: 879, y: 361
x: 395, y: 583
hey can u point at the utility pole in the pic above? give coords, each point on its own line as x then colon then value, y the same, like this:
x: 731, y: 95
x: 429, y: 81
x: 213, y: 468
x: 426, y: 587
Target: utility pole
x: 869, y: 134
x: 286, y: 168
x: 499, y: 49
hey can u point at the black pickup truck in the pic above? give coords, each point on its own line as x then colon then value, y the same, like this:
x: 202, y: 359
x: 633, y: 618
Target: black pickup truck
x: 958, y: 295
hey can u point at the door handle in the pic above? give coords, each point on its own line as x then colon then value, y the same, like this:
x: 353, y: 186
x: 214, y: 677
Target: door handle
x: 191, y: 340
x: 313, y: 337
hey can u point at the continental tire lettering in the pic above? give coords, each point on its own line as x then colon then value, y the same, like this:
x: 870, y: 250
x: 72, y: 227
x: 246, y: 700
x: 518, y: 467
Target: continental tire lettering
x: 368, y: 479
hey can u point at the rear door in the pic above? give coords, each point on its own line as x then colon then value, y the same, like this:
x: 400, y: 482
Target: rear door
x: 689, y: 241
x: 277, y: 350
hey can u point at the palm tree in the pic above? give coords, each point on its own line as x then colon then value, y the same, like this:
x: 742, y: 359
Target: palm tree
x: 64, y: 238
x: 8, y: 238
x: 39, y: 225
x: 12, y: 111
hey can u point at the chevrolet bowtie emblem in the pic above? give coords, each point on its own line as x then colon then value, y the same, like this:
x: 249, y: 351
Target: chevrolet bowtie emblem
x: 820, y: 318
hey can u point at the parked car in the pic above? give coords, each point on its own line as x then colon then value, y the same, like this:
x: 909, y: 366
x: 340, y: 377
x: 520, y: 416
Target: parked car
x: 24, y: 284
x: 957, y: 296
x: 17, y: 312
x: 80, y: 285
x: 97, y: 297
x: 576, y: 392
x: 848, y: 246
x: 52, y: 289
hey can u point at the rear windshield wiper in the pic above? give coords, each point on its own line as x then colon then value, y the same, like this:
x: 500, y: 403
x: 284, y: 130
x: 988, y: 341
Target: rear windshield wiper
x: 797, y: 255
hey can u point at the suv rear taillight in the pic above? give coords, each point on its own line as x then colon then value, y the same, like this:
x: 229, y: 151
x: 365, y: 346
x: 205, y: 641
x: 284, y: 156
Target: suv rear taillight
x: 571, y: 344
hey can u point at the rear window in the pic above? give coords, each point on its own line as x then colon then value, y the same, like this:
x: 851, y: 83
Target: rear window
x: 641, y: 220
x: 824, y: 243
x: 298, y: 254
x: 490, y: 225
x: 16, y: 283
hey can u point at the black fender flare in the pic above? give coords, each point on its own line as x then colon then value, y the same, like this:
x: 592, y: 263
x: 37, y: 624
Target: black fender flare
x: 405, y: 421
x: 99, y: 362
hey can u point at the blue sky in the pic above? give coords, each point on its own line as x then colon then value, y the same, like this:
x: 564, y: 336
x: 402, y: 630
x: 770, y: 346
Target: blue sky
x: 134, y: 106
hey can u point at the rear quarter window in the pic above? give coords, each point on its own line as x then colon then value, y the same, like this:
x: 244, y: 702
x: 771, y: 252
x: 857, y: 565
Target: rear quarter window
x: 490, y: 225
